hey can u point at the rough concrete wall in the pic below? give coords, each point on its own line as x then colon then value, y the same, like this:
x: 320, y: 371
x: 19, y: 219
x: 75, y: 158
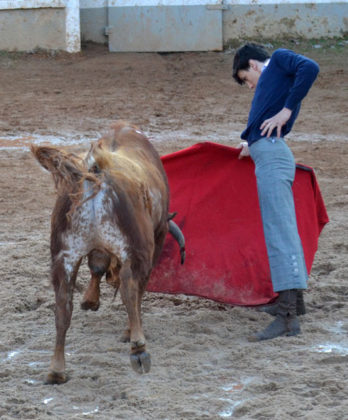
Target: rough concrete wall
x: 305, y: 20
x: 251, y: 19
x: 47, y: 27
x: 27, y: 29
x: 93, y: 23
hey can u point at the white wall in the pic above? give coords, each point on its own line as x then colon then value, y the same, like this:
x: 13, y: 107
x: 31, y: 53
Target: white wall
x: 285, y: 18
x: 246, y: 19
x: 60, y: 24
x: 49, y: 24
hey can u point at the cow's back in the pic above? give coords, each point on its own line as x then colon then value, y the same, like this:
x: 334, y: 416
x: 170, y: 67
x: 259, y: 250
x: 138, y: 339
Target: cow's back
x: 128, y: 140
x: 128, y: 158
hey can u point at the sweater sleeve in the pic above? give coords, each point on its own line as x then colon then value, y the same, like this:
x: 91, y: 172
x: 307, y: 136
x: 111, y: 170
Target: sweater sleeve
x: 303, y: 69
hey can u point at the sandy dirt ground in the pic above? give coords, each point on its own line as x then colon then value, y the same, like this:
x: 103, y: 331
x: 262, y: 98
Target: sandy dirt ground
x: 203, y: 366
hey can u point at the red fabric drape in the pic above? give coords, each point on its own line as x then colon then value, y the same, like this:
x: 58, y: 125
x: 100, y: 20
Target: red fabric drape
x: 215, y: 196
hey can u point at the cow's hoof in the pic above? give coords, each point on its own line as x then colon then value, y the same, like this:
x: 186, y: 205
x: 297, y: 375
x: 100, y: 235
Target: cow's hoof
x: 56, y: 378
x: 93, y: 306
x: 141, y: 362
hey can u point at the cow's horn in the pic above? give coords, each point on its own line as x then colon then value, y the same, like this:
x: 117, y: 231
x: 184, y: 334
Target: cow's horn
x: 179, y: 237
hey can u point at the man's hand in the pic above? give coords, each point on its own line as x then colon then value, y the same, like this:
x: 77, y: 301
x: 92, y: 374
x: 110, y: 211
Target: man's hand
x: 277, y: 120
x: 245, y: 150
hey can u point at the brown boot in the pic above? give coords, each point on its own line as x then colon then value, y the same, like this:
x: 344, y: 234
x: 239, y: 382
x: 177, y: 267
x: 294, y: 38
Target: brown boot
x: 286, y: 322
x: 273, y: 308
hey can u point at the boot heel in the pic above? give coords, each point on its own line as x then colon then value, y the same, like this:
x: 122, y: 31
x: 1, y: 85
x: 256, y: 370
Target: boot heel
x: 286, y: 322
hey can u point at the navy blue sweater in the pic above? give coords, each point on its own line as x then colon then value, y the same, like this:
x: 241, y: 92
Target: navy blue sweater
x: 283, y: 83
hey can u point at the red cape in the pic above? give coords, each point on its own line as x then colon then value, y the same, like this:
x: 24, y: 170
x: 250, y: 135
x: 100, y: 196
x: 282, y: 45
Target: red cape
x: 215, y: 196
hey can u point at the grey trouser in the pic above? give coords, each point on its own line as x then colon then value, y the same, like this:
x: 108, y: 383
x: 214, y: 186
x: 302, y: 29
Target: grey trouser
x: 275, y: 172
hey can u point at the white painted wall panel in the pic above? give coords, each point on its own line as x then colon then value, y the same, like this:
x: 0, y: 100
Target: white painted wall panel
x: 31, y: 4
x: 48, y: 24
x: 165, y: 28
x: 85, y: 4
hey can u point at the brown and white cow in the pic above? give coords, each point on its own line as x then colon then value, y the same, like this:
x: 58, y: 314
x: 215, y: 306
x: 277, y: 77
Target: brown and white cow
x: 112, y: 206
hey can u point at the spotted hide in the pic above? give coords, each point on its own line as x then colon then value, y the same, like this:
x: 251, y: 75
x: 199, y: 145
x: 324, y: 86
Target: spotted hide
x: 112, y: 206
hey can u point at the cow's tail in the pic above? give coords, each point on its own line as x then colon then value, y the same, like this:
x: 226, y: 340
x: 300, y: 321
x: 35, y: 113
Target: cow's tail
x: 177, y: 234
x: 67, y: 169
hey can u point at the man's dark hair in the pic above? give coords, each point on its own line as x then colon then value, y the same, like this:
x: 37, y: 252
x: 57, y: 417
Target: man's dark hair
x: 248, y: 52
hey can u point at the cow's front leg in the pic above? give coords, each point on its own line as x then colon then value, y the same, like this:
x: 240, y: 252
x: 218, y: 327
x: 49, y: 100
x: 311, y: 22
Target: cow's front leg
x: 63, y: 281
x: 131, y: 293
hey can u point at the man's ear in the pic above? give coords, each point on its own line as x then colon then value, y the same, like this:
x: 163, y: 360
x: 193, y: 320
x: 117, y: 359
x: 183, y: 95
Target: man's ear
x: 253, y: 64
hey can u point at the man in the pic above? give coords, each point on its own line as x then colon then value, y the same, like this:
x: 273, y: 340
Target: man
x: 280, y: 81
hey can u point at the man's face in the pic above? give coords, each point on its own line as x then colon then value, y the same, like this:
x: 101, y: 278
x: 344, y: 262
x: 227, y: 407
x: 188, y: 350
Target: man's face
x: 251, y: 76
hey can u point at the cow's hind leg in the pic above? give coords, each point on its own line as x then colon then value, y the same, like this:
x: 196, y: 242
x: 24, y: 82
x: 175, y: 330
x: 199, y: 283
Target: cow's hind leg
x: 63, y: 280
x: 98, y: 263
x: 131, y: 292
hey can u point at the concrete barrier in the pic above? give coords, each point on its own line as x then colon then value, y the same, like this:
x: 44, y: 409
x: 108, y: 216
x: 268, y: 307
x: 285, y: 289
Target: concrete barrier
x: 171, y: 25
x: 251, y: 19
x: 285, y: 19
x: 27, y: 25
x: 164, y: 25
